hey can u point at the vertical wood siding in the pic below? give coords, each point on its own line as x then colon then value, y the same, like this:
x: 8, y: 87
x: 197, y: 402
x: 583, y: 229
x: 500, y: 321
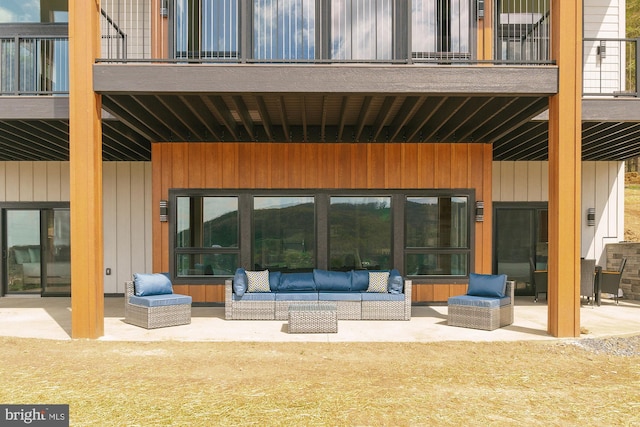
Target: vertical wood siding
x: 602, y: 189
x: 127, y: 208
x: 328, y: 165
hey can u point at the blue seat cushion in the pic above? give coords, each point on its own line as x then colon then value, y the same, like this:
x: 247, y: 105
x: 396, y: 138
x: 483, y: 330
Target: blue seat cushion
x: 297, y: 296
x: 151, y: 284
x: 473, y: 301
x: 296, y: 282
x: 378, y: 296
x: 339, y: 296
x: 332, y: 280
x: 255, y: 296
x: 487, y: 285
x: 160, y: 300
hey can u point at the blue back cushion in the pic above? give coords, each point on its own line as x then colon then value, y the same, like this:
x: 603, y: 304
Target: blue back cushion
x: 395, y: 282
x: 274, y: 280
x: 487, y: 285
x: 296, y: 282
x: 332, y: 280
x: 240, y: 282
x: 359, y: 280
x: 151, y: 284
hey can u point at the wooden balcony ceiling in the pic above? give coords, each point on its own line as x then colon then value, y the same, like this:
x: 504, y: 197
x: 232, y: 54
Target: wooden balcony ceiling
x: 500, y: 105
x: 37, y: 129
x: 318, y: 103
x: 610, y: 131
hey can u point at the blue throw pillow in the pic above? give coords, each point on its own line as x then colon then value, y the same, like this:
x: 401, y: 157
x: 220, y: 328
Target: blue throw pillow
x: 151, y: 284
x: 240, y: 282
x: 395, y: 282
x: 487, y: 285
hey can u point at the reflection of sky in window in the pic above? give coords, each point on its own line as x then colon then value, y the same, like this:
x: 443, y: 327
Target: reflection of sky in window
x: 361, y: 29
x: 218, y: 30
x: 434, y: 200
x: 212, y: 208
x: 382, y: 202
x: 284, y: 29
x: 27, y: 11
x: 279, y: 202
x: 425, y: 26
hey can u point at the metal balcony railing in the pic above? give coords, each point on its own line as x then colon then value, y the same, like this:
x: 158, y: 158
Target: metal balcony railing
x: 34, y: 65
x: 611, y: 67
x: 294, y: 31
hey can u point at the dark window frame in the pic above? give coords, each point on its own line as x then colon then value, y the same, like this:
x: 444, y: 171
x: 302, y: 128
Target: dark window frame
x: 322, y: 203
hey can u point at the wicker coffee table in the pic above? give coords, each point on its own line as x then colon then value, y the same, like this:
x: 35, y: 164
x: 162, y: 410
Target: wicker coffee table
x: 313, y: 318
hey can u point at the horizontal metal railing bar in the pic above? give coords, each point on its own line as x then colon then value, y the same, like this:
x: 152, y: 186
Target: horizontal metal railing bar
x: 323, y: 61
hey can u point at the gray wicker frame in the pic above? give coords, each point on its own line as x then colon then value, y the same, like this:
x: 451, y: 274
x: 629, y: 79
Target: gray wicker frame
x: 346, y: 310
x: 154, y: 317
x: 305, y: 318
x: 483, y: 317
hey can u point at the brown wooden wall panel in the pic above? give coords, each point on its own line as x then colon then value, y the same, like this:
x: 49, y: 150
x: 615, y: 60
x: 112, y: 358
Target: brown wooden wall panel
x: 323, y: 165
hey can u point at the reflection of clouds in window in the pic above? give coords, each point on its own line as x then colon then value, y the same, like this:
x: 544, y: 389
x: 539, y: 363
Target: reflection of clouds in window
x: 361, y: 29
x: 19, y: 11
x: 219, y: 27
x: 207, y: 28
x: 441, y: 26
x: 284, y: 29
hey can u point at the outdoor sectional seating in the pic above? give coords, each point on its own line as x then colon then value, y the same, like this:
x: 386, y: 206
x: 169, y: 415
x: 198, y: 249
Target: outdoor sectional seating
x: 264, y: 295
x: 150, y: 303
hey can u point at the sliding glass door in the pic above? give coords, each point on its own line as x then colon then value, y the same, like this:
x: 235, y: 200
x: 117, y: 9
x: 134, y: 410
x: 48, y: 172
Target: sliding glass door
x: 36, y: 251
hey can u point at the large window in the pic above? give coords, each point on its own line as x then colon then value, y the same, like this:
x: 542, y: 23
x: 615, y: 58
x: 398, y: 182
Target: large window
x: 361, y: 29
x: 426, y: 234
x: 284, y: 233
x: 284, y: 29
x: 437, y: 236
x: 360, y: 233
x: 206, y: 237
x: 523, y: 30
x: 205, y: 29
x: 40, y: 11
x: 441, y: 29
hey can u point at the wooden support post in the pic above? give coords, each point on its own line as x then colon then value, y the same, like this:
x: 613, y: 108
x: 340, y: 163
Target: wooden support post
x: 85, y: 158
x: 565, y: 152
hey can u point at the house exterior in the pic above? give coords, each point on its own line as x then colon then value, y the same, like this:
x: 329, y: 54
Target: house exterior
x: 438, y: 137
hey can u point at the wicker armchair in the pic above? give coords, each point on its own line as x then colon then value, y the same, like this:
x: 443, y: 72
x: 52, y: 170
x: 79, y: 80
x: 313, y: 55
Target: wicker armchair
x: 482, y: 312
x: 156, y: 311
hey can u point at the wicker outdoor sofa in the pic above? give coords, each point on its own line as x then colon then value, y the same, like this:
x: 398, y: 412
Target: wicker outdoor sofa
x: 389, y: 299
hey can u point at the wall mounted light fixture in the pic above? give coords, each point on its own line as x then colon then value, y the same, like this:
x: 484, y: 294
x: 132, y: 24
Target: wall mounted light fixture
x: 164, y: 9
x: 591, y: 217
x: 480, y: 8
x: 601, y: 50
x: 479, y: 211
x: 164, y: 211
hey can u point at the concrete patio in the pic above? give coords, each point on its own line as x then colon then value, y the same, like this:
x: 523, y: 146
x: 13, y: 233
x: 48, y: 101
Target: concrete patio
x: 50, y: 318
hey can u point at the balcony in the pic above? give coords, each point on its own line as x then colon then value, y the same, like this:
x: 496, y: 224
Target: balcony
x: 205, y: 75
